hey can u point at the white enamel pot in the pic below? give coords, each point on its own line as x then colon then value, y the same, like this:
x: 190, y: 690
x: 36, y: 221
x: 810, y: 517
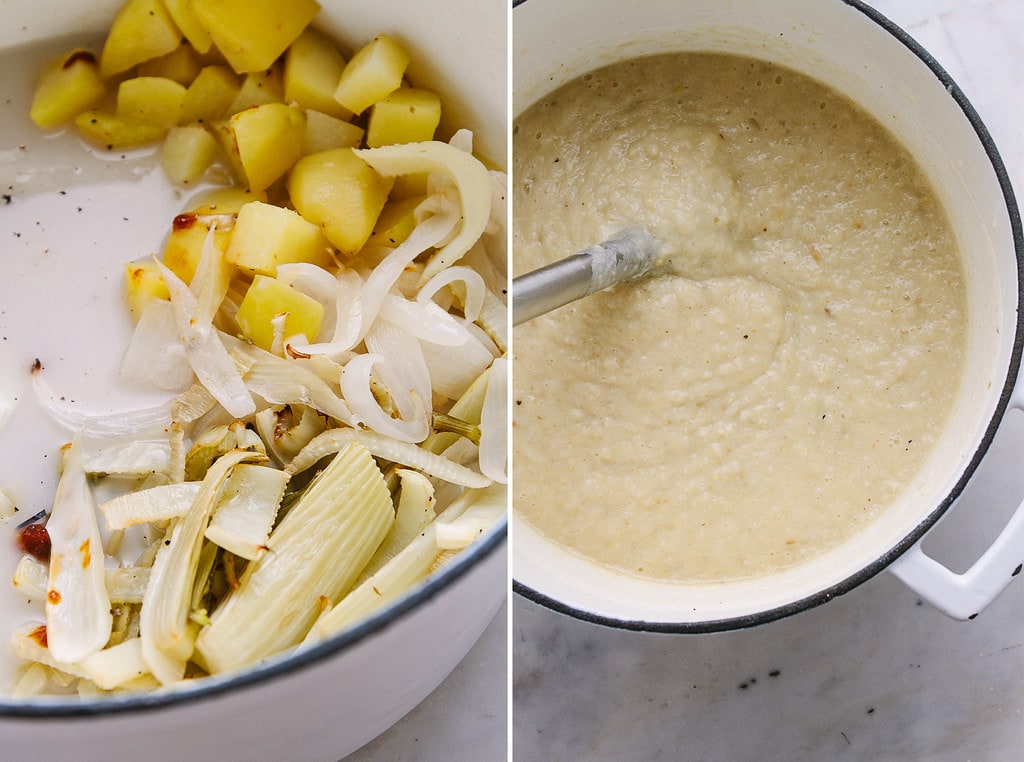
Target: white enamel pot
x: 321, y: 704
x: 856, y: 51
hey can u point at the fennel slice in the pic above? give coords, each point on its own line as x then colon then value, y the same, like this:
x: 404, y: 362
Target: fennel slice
x: 468, y: 408
x: 167, y: 640
x: 415, y: 512
x: 471, y: 179
x: 29, y: 643
x: 124, y: 585
x: 159, y: 503
x: 116, y: 666
x: 313, y: 556
x: 246, y: 511
x: 398, y: 576
x: 387, y: 448
x: 78, y: 618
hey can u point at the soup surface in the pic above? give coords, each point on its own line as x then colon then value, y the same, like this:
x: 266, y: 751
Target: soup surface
x: 782, y: 379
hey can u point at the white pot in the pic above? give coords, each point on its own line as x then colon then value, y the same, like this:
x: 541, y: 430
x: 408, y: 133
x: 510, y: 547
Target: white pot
x: 856, y: 51
x: 329, y: 701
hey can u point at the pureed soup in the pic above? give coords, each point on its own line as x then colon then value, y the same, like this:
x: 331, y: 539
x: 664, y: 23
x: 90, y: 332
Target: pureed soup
x: 781, y: 380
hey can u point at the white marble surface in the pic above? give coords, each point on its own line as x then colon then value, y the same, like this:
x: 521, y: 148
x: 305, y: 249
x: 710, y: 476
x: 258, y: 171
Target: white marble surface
x: 873, y: 675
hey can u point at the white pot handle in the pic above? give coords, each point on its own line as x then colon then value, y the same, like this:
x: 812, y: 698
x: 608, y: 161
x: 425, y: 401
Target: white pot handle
x: 963, y: 596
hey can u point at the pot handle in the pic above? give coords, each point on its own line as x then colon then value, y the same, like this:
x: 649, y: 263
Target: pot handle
x: 963, y: 596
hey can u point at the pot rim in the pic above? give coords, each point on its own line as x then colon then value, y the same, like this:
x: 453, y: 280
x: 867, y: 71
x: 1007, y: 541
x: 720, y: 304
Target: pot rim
x: 72, y: 707
x: 910, y: 539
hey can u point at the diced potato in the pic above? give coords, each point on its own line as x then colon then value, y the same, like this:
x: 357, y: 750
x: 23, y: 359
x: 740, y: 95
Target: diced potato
x: 374, y: 71
x: 396, y: 221
x: 258, y: 89
x: 144, y: 284
x: 210, y: 95
x: 228, y: 200
x: 150, y: 100
x: 412, y: 184
x: 252, y: 34
x: 184, y: 246
x: 269, y: 140
x: 407, y: 115
x: 142, y: 29
x: 111, y: 131
x: 325, y: 132
x: 341, y: 193
x: 266, y: 299
x: 266, y: 236
x: 190, y: 26
x: 187, y: 152
x: 312, y: 69
x: 182, y: 65
x: 225, y: 135
x: 67, y: 87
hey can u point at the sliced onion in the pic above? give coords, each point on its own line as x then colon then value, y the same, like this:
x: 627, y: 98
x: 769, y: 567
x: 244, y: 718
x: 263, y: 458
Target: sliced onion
x: 129, y: 422
x: 403, y: 371
x: 206, y: 354
x: 281, y: 382
x: 430, y: 232
x: 347, y: 319
x: 494, y: 424
x: 155, y: 355
x: 425, y: 321
x: 469, y: 176
x: 463, y: 140
x: 132, y: 457
x: 390, y: 449
x: 211, y: 280
x: 160, y: 503
x: 355, y: 385
x: 453, y: 369
x: 472, y: 300
x: 317, y: 283
x: 78, y: 615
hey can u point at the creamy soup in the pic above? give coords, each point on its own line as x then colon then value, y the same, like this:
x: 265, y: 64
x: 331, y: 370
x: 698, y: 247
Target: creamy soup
x: 778, y: 383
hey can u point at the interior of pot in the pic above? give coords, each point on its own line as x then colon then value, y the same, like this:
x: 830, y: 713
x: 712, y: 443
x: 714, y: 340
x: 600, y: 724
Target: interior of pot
x: 474, y: 97
x: 856, y: 52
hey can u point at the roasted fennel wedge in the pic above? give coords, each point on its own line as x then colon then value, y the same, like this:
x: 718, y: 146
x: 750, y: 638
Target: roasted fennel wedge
x: 347, y: 509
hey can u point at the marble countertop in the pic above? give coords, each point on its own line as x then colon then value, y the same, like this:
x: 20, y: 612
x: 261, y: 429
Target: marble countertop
x: 875, y: 674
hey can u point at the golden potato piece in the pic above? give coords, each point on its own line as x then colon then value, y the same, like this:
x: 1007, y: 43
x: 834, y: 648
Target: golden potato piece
x: 268, y: 298
x: 143, y: 284
x: 312, y: 69
x: 341, y: 193
x: 67, y: 87
x: 407, y: 115
x: 187, y: 152
x: 266, y: 236
x: 396, y: 221
x: 182, y: 65
x: 325, y: 132
x: 150, y: 100
x: 190, y: 26
x: 269, y: 140
x: 252, y: 34
x: 111, y: 131
x: 184, y: 246
x: 210, y: 95
x: 142, y: 29
x: 374, y: 71
x: 258, y: 89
